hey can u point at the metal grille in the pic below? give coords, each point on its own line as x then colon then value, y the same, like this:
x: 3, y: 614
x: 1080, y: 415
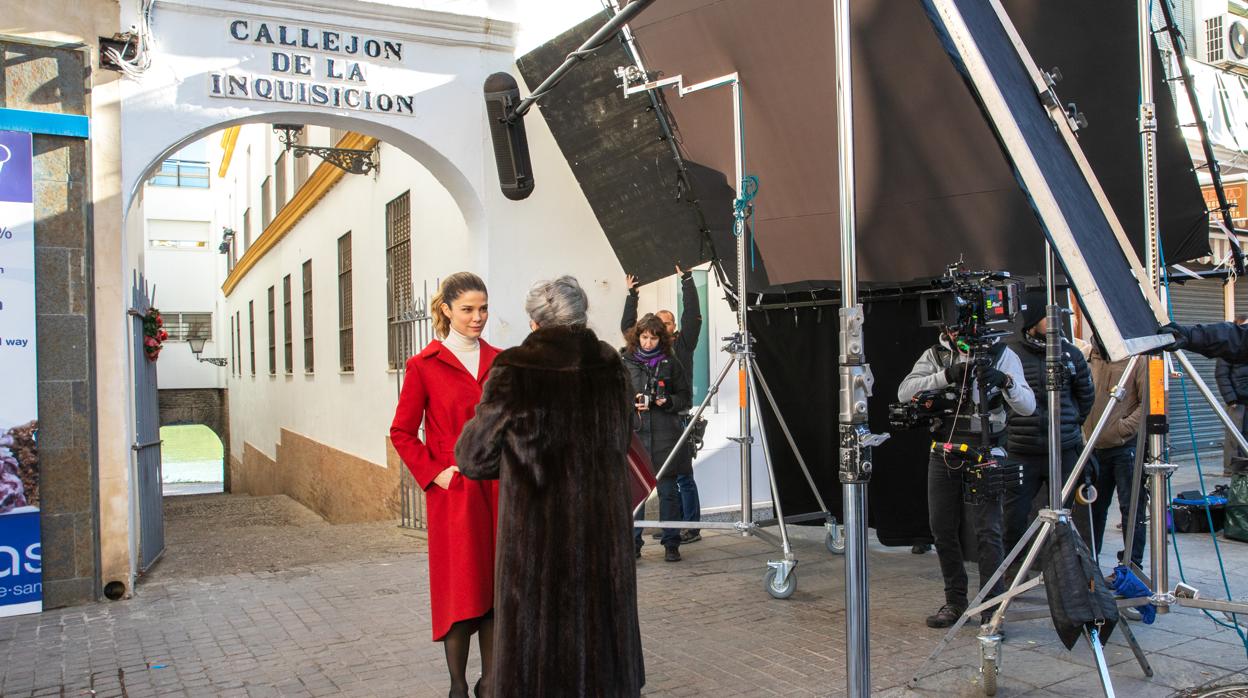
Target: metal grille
x: 147, y: 435
x: 1213, y: 39
x: 266, y: 202
x: 346, y: 333
x: 233, y: 347
x: 272, y: 335
x: 1195, y: 302
x: 414, y: 329
x: 398, y: 274
x: 246, y: 230
x: 308, y: 361
x: 302, y: 164
x: 251, y: 330
x: 279, y: 174
x: 288, y: 334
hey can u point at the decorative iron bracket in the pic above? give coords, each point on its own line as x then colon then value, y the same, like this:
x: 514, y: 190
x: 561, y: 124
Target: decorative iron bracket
x: 348, y: 160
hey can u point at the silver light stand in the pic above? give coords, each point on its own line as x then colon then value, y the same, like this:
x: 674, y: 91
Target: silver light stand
x: 780, y: 580
x: 1037, y: 533
x: 1154, y: 465
x: 1149, y: 460
x: 856, y: 439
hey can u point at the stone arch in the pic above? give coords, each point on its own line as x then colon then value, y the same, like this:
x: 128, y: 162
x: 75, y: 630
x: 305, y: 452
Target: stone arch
x: 207, y: 406
x: 446, y: 172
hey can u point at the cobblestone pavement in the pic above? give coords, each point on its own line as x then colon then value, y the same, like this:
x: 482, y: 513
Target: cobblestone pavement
x: 350, y: 617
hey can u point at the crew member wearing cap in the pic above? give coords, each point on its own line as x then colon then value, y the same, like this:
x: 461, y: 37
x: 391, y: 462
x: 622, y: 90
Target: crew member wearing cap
x: 1028, y: 435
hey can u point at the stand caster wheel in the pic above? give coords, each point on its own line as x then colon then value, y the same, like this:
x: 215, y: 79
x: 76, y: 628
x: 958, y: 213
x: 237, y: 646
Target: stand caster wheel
x: 835, y: 541
x: 989, y: 672
x: 780, y: 591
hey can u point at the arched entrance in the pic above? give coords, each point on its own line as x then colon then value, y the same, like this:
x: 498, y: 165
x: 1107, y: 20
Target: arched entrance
x: 219, y: 65
x: 405, y: 77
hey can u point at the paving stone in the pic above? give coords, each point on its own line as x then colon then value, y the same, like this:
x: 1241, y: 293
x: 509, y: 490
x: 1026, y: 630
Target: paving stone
x: 322, y: 628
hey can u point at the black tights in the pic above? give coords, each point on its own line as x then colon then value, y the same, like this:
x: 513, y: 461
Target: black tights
x: 457, y: 642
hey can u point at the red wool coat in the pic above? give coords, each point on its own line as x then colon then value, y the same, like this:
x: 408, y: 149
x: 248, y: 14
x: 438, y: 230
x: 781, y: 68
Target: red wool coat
x: 463, y: 518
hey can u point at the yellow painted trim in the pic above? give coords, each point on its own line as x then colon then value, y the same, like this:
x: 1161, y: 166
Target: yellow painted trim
x: 313, y: 190
x: 228, y: 140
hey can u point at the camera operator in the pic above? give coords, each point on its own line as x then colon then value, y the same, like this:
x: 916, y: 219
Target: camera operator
x: 1029, y: 433
x: 949, y: 363
x: 684, y: 342
x: 661, y: 392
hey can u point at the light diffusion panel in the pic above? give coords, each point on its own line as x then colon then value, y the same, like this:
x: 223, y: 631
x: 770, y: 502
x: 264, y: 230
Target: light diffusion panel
x: 618, y: 154
x: 1046, y: 158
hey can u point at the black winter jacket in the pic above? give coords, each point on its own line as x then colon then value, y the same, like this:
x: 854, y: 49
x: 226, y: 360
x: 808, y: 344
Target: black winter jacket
x: 1218, y: 340
x: 1232, y: 381
x: 660, y: 427
x: 1029, y: 436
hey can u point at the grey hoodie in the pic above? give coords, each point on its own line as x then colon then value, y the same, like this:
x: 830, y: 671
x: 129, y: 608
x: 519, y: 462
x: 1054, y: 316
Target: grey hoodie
x: 929, y: 374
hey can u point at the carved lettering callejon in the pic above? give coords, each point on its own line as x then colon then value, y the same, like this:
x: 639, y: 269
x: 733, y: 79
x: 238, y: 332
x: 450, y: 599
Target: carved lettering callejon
x: 315, y: 89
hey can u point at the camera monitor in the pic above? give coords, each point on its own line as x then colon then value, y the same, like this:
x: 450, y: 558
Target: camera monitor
x: 1037, y: 136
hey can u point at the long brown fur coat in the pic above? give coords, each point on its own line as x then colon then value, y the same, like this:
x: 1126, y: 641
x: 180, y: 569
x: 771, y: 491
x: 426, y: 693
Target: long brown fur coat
x: 554, y: 426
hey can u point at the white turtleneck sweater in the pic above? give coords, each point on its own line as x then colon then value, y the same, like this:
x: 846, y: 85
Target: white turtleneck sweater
x: 467, y: 350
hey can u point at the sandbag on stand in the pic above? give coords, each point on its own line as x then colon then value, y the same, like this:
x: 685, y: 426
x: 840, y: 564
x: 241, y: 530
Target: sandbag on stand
x: 1236, y: 526
x: 1078, y: 594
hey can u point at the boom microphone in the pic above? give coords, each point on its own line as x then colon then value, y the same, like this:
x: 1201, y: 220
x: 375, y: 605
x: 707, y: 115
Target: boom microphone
x: 511, y: 146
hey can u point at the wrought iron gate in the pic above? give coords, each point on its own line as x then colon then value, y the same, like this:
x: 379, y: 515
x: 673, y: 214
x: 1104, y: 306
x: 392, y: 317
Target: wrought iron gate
x: 147, y: 435
x: 409, y: 333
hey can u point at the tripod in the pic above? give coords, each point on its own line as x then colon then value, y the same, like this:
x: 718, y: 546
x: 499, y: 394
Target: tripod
x: 780, y: 578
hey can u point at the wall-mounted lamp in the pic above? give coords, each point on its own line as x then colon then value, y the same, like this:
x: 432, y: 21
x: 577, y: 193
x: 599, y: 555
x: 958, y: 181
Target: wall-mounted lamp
x: 346, y: 159
x: 197, y: 348
x: 227, y: 236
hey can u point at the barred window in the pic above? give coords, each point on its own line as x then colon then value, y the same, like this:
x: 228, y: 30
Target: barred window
x: 307, y: 316
x: 272, y: 334
x: 266, y: 203
x: 288, y: 334
x: 251, y: 345
x: 233, y: 347
x: 246, y: 230
x: 346, y: 332
x: 238, y: 326
x: 303, y: 164
x: 279, y: 175
x: 183, y: 326
x: 398, y: 275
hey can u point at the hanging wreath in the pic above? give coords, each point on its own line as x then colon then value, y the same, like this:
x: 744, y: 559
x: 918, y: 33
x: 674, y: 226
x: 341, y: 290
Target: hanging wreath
x: 154, y: 334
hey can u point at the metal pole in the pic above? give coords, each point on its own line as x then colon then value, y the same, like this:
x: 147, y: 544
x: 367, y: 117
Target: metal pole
x: 1053, y: 366
x: 600, y: 37
x: 1148, y: 142
x: 743, y: 358
x: 854, y: 384
x: 1159, y: 472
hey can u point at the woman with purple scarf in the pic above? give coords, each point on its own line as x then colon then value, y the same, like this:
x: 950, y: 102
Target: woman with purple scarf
x: 662, y: 391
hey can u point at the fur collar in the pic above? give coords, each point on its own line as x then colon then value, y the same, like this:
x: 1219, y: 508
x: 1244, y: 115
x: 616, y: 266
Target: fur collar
x: 559, y: 349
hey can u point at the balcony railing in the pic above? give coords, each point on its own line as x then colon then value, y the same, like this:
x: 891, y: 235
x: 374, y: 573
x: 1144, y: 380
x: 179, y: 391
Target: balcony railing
x: 181, y: 173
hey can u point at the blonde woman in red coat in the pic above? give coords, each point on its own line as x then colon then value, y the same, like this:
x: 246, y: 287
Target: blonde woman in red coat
x: 442, y: 387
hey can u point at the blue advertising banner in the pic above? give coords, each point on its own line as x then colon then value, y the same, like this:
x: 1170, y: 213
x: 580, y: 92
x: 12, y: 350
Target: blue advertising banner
x: 21, y: 569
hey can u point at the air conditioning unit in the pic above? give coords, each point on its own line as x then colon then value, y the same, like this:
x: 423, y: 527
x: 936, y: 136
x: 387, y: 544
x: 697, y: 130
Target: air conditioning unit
x: 1225, y: 42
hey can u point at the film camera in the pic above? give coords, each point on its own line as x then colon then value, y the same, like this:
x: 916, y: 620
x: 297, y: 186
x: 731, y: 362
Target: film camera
x: 973, y: 304
x: 976, y: 307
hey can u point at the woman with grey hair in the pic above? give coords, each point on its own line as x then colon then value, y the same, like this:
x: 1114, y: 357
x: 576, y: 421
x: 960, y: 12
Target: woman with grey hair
x: 559, y: 301
x: 553, y: 427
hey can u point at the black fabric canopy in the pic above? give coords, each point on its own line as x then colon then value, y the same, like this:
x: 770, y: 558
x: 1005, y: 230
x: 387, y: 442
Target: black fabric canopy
x: 932, y: 183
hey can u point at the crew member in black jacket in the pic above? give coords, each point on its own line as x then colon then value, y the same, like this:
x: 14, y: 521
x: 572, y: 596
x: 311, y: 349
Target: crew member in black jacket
x: 1028, y: 436
x: 684, y: 341
x: 1232, y: 379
